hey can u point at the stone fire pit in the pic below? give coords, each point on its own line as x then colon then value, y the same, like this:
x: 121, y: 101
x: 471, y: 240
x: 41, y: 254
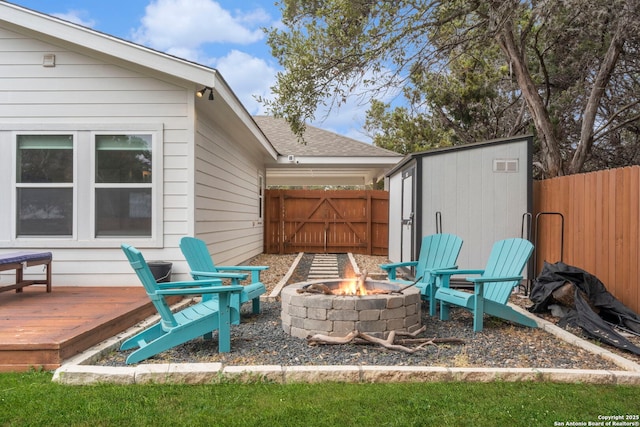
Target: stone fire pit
x: 305, y: 314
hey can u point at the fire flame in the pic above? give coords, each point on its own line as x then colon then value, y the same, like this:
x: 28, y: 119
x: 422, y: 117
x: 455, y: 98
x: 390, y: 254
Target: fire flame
x: 354, y: 286
x: 350, y: 287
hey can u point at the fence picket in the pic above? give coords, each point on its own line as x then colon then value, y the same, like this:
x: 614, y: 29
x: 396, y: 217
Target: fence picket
x: 321, y: 221
x: 602, y: 233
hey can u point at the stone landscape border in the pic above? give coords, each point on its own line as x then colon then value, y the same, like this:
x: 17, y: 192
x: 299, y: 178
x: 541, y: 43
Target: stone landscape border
x: 210, y: 373
x: 79, y: 371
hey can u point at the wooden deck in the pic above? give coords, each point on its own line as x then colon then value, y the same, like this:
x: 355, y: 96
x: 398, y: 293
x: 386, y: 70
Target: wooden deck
x: 42, y: 330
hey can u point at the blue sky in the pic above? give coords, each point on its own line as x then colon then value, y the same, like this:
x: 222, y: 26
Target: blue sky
x: 224, y: 34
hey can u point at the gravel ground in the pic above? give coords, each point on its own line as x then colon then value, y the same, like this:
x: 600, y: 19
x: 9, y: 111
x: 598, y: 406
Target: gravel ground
x: 260, y: 340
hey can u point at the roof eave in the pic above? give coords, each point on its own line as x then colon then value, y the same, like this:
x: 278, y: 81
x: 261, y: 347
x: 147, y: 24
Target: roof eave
x: 310, y: 175
x: 239, y: 109
x: 341, y: 160
x: 107, y: 44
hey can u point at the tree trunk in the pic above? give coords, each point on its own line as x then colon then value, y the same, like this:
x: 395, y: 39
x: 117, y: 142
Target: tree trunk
x: 551, y: 158
x: 597, y: 90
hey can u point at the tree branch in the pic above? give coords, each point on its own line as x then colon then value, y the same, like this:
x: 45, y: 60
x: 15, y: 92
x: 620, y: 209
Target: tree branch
x: 597, y: 91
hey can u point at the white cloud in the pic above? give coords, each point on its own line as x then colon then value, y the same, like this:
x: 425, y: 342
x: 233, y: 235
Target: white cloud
x: 190, y: 28
x: 188, y: 24
x: 255, y: 17
x: 184, y: 28
x: 76, y: 16
x: 248, y: 77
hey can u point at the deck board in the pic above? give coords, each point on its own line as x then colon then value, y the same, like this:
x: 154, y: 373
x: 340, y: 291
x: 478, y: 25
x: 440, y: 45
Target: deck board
x: 41, y: 330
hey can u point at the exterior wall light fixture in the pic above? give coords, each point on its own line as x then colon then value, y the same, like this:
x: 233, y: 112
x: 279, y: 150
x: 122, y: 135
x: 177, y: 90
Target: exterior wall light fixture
x: 204, y: 90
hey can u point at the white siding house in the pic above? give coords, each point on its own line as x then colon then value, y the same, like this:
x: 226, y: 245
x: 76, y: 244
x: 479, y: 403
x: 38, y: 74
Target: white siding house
x: 103, y: 142
x: 482, y: 192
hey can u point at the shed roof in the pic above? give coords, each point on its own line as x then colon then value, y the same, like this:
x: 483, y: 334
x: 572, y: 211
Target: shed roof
x: 443, y: 150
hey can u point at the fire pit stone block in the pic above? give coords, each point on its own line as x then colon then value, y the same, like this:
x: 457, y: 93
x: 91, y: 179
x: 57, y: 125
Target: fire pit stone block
x: 305, y: 314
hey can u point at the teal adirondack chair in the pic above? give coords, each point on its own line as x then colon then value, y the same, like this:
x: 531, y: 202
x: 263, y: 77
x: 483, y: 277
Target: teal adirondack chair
x: 438, y: 251
x: 202, y: 267
x: 173, y: 329
x: 493, y: 286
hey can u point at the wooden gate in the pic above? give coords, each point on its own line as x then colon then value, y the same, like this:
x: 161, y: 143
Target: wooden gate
x: 319, y: 221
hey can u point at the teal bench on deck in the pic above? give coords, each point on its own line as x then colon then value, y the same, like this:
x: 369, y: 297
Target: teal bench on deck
x: 18, y: 261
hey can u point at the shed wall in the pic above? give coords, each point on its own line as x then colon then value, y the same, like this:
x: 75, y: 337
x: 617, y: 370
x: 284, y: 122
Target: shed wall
x: 476, y: 203
x: 459, y: 188
x: 395, y: 216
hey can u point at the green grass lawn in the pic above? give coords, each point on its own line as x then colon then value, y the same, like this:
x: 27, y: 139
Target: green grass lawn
x: 31, y: 399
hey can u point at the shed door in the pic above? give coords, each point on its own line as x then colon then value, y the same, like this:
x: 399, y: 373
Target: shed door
x: 406, y: 245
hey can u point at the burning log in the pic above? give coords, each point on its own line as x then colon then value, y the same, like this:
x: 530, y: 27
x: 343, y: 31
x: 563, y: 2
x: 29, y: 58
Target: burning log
x: 315, y: 288
x: 360, y: 289
x: 390, y: 343
x: 351, y: 287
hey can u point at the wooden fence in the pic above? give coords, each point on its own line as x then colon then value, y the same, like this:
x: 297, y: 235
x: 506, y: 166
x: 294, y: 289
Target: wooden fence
x: 320, y: 221
x: 591, y: 221
x: 601, y: 216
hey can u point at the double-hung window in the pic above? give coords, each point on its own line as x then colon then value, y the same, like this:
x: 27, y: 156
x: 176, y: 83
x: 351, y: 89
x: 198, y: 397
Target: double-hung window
x: 44, y: 185
x: 83, y: 188
x: 123, y: 185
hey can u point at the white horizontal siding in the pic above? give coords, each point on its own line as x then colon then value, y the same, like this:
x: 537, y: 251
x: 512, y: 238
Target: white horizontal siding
x: 226, y: 197
x: 100, y: 267
x: 84, y: 92
x: 98, y: 97
x: 84, y: 111
x: 137, y: 84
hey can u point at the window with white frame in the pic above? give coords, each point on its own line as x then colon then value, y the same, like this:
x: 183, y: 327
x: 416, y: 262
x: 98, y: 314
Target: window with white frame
x: 44, y: 185
x: 83, y: 187
x: 123, y: 185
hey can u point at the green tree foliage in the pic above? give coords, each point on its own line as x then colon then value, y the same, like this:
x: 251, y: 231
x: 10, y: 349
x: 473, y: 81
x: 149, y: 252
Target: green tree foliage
x: 398, y: 130
x: 470, y: 70
x: 475, y: 100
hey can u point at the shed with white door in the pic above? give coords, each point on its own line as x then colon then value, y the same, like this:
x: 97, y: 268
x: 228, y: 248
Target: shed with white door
x: 481, y: 191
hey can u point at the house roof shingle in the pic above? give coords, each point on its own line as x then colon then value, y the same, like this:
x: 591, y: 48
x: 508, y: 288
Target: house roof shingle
x: 319, y: 142
x: 326, y: 158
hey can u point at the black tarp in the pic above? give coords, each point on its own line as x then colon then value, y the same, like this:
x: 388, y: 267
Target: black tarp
x: 589, y: 293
